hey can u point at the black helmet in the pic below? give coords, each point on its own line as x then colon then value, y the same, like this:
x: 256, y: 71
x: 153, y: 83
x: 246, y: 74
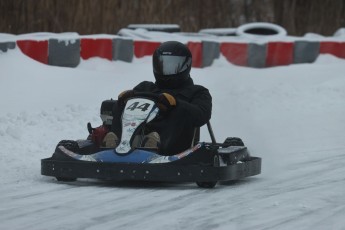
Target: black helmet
x: 172, y: 62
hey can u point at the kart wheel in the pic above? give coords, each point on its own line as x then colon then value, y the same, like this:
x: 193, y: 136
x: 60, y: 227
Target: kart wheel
x: 210, y: 184
x: 233, y: 141
x: 66, y: 179
x: 69, y: 144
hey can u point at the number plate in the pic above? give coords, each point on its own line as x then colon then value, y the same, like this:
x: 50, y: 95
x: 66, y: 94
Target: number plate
x: 135, y: 113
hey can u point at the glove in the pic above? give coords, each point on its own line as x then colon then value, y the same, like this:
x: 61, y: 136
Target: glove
x: 166, y: 102
x: 123, y: 97
x: 98, y: 135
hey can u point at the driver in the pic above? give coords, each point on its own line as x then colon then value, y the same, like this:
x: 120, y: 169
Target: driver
x: 184, y: 106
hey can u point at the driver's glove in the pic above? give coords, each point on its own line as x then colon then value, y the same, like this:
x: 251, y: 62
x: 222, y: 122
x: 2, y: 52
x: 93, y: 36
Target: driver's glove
x: 166, y: 102
x: 123, y: 97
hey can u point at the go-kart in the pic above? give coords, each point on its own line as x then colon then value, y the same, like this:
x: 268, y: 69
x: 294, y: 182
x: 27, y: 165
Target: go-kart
x: 205, y: 163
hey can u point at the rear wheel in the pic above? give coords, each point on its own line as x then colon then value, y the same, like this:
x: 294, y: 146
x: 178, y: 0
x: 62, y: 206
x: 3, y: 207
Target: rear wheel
x: 235, y: 157
x: 208, y: 184
x: 233, y: 141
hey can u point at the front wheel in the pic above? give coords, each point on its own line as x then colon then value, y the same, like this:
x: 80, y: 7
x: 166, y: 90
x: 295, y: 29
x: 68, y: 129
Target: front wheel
x: 70, y: 145
x: 66, y: 179
x: 208, y: 184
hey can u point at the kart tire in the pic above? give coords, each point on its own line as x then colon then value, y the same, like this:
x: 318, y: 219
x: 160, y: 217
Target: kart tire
x: 69, y: 144
x: 233, y: 141
x: 208, y: 184
x: 66, y: 179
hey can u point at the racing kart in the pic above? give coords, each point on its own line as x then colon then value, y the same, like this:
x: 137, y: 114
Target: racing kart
x: 205, y: 163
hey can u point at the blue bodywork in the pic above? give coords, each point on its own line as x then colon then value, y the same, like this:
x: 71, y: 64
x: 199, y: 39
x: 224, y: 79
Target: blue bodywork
x: 134, y: 156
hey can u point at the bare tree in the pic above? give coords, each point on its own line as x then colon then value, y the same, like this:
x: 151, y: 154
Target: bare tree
x: 108, y: 16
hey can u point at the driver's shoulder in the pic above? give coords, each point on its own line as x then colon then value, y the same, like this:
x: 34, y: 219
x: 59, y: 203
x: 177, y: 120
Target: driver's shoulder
x: 192, y: 91
x: 145, y: 86
x: 196, y: 89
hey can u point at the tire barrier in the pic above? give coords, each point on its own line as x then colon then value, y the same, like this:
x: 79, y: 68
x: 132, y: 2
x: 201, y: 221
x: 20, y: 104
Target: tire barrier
x: 340, y: 32
x: 196, y: 50
x: 100, y: 47
x: 65, y: 53
x: 256, y: 55
x: 305, y: 51
x: 123, y: 50
x: 236, y: 53
x: 335, y: 48
x: 68, y: 52
x: 210, y: 52
x: 4, y: 46
x: 169, y: 28
x: 279, y: 53
x: 144, y: 48
x: 260, y: 29
x: 219, y: 31
x: 37, y: 50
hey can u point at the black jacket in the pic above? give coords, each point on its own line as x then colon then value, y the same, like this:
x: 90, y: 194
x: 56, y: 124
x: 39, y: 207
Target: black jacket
x: 193, y: 109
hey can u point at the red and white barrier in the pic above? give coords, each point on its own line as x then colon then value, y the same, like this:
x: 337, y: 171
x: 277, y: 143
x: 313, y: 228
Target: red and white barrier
x: 196, y: 50
x: 335, y: 48
x: 250, y: 54
x: 96, y: 48
x: 37, y: 50
x: 144, y: 48
x: 236, y: 53
x: 279, y: 53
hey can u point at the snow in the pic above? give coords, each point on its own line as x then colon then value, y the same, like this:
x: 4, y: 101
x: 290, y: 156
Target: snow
x: 291, y: 116
x: 219, y: 31
x: 154, y: 26
x: 340, y: 32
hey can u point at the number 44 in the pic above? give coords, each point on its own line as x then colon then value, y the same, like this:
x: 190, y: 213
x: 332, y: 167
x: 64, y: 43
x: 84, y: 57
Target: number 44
x: 136, y: 105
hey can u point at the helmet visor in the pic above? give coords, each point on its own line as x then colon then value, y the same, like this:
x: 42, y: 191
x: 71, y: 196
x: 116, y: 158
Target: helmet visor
x: 169, y: 65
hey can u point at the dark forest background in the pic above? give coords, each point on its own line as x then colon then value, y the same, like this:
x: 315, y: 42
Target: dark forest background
x: 109, y: 16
